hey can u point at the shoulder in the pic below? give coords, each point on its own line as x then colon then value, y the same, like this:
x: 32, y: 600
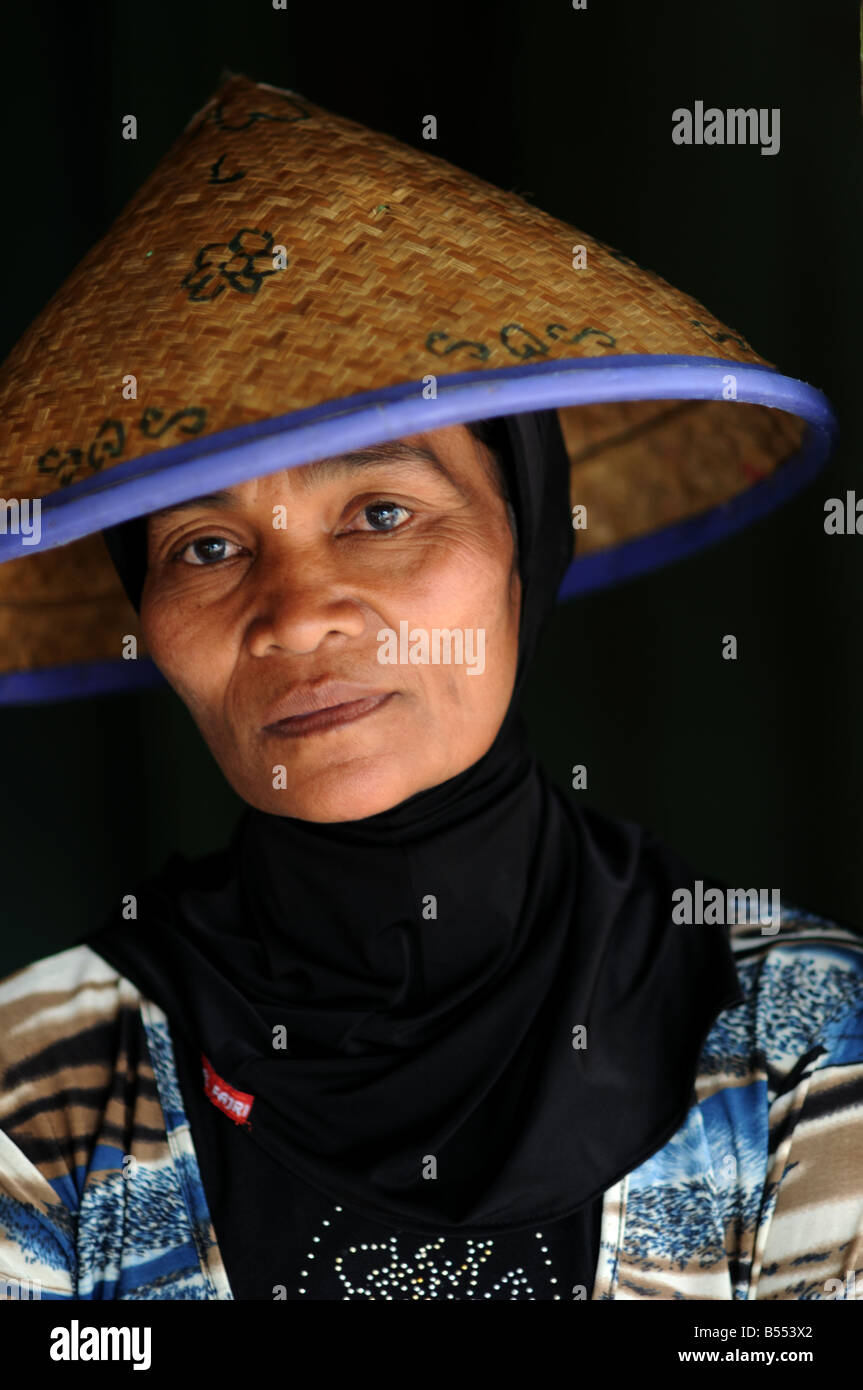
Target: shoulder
x: 99, y: 1198
x: 802, y: 1007
x: 66, y: 970
x: 69, y: 1024
x: 62, y: 1010
x: 758, y: 1193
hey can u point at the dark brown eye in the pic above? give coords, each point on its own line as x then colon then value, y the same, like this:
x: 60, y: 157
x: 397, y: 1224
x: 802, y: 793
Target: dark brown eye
x: 205, y: 549
x: 382, y: 516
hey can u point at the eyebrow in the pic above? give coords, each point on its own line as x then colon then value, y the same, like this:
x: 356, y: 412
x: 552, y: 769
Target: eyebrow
x: 312, y: 474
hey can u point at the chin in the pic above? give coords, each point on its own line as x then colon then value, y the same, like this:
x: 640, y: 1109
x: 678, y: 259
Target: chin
x: 346, y: 793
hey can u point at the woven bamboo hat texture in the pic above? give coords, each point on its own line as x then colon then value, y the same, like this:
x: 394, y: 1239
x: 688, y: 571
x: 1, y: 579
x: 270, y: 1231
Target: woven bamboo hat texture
x: 288, y: 285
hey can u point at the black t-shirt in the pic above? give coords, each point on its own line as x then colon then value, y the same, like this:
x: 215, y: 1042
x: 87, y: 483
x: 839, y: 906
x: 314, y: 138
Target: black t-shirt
x: 281, y: 1239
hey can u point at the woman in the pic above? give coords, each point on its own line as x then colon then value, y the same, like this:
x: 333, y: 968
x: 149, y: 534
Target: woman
x: 423, y: 1029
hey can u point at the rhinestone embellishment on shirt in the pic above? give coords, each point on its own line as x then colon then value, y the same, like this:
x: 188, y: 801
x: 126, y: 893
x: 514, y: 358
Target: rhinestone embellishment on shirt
x: 443, y: 1268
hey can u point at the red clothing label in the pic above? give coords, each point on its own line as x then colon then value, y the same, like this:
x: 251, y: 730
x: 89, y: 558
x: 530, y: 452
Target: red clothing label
x: 236, y: 1104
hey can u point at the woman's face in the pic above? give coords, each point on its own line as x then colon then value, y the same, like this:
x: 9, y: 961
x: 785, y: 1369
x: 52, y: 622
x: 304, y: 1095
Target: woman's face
x: 279, y: 587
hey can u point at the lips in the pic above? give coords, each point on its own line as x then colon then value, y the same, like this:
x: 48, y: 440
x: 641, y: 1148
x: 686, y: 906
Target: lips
x: 346, y: 713
x: 317, y: 697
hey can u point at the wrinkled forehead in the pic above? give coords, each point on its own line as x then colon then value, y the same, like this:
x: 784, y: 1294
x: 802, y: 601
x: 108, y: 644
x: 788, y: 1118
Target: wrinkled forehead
x: 452, y: 454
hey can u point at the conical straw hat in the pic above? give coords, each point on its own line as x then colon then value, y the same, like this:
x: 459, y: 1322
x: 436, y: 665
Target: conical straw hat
x: 288, y: 285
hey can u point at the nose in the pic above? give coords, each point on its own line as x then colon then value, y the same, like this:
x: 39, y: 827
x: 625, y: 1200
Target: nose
x: 302, y: 596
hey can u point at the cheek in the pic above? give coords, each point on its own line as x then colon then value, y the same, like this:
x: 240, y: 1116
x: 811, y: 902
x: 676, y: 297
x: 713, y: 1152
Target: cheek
x: 465, y: 579
x: 475, y: 593
x: 177, y: 640
x: 482, y: 597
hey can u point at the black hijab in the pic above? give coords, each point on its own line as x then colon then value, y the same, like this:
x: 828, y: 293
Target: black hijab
x: 500, y: 1061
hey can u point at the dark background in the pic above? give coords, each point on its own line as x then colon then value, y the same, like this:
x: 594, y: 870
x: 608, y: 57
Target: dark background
x: 751, y: 768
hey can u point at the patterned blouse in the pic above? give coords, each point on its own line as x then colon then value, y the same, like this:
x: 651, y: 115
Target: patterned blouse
x: 758, y: 1194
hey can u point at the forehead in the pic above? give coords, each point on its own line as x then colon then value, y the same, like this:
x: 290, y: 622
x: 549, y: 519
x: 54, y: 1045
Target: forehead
x: 447, y: 453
